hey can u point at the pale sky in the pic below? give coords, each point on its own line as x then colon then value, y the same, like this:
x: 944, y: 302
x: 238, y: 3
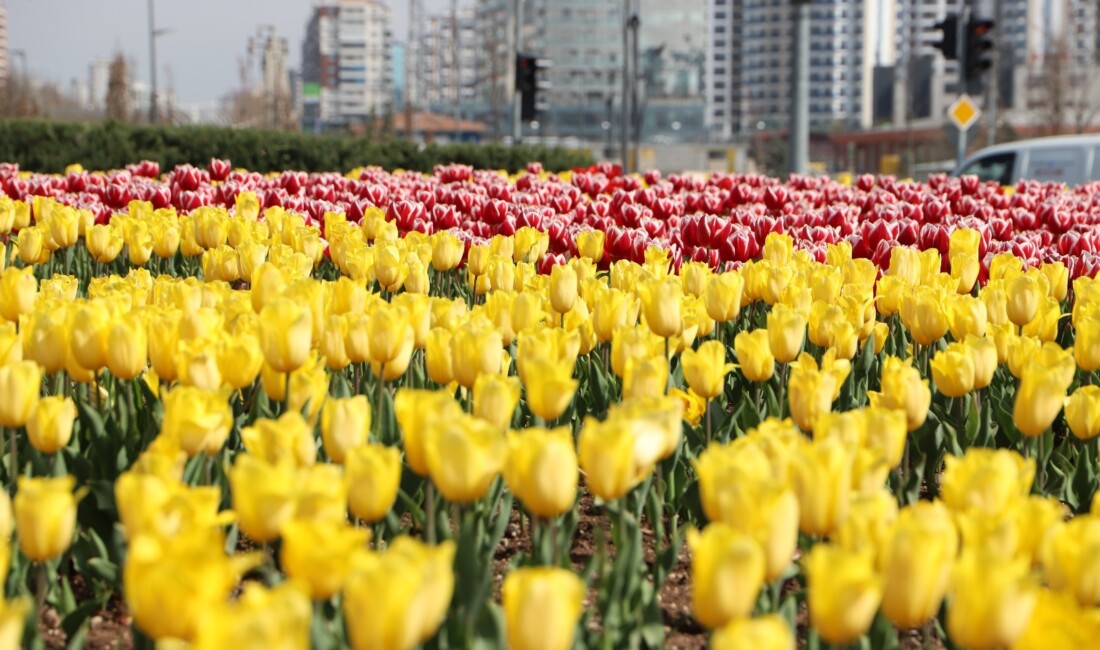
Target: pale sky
x: 206, y: 39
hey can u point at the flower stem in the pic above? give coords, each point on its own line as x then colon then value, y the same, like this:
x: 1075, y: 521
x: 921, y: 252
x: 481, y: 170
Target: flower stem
x: 429, y: 512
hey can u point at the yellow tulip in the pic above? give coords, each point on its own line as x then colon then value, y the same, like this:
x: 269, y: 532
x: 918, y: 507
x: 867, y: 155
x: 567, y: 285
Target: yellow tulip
x: 1069, y: 559
x: 89, y: 328
x: 810, y: 393
x: 285, y: 334
x: 903, y: 388
x: 1086, y: 344
x: 1024, y: 295
x: 991, y: 601
x: 447, y: 251
x: 45, y: 516
x: 605, y: 451
x: 662, y: 305
x: 542, y: 606
x: 464, y: 455
x: 198, y: 420
x: 705, y: 369
x: 542, y: 470
x: 786, y: 332
x: 20, y: 383
x: 263, y: 496
x: 590, y: 244
x: 477, y: 259
x: 1058, y: 622
x: 240, y: 360
x: 822, y: 473
x: 201, y: 574
x: 1039, y: 399
x: 722, y: 296
x: 1083, y: 412
x: 923, y: 313
x: 550, y: 388
x: 321, y: 553
x: 844, y: 592
x: 127, y: 347
x: 916, y: 564
x: 345, y: 425
x: 753, y: 351
x: 985, y: 479
x: 953, y: 370
x: 50, y: 425
x: 373, y: 476
x: 397, y: 599
x: 476, y: 348
x: 417, y: 413
x: 288, y: 438
x: 276, y: 617
x: 771, y: 632
x: 563, y: 288
x: 18, y: 292
x: 388, y: 331
x: 727, y: 573
x: 495, y: 399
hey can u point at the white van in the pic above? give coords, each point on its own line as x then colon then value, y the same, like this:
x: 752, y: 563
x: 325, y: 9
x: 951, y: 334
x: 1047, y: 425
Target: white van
x: 1069, y: 159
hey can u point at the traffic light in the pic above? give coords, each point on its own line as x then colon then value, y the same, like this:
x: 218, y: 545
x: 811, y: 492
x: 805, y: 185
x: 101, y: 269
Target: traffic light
x: 979, y: 42
x: 949, y: 44
x: 528, y: 84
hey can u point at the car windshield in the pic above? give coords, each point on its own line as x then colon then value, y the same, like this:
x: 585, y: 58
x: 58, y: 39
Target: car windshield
x: 994, y: 167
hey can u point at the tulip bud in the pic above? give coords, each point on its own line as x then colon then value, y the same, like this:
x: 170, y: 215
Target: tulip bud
x: 1083, y: 412
x: 477, y: 259
x: 199, y: 420
x: 414, y: 585
x: 844, y: 592
x: 18, y: 292
x: 1024, y: 294
x: 722, y: 296
x: 727, y: 573
x: 373, y: 476
x: 605, y: 451
x: 50, y: 425
x: 127, y: 347
x: 45, y: 516
x: 20, y: 383
x: 464, y: 456
x: 916, y: 564
x: 345, y: 425
x: 476, y: 348
x: 495, y: 399
x: 822, y: 474
x: 550, y: 387
x: 771, y: 632
x: 541, y: 608
x: 263, y: 496
x: 705, y: 369
x: 286, y: 328
x: 662, y: 306
x: 923, y: 314
x: 1039, y: 399
x: 786, y: 333
x: 753, y: 351
x: 953, y: 370
x: 542, y: 470
x: 991, y: 601
x: 321, y: 553
x: 590, y: 244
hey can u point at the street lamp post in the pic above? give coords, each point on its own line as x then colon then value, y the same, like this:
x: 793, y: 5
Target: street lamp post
x: 153, y: 34
x: 24, y: 82
x: 800, y: 89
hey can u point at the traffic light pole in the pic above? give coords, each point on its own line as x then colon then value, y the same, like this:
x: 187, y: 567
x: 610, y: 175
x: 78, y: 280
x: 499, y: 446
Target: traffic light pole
x: 517, y: 98
x: 964, y: 20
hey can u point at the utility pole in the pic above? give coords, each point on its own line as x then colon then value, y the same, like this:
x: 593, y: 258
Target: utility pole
x: 517, y: 100
x: 635, y: 82
x: 455, y: 68
x: 993, y: 90
x: 624, y: 116
x: 964, y: 20
x: 152, y: 65
x: 800, y: 89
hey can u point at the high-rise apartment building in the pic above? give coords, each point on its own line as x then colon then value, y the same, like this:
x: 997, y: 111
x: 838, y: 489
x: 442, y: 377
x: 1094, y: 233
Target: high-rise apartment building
x: 450, y: 47
x: 4, y: 57
x: 347, y: 75
x: 749, y: 57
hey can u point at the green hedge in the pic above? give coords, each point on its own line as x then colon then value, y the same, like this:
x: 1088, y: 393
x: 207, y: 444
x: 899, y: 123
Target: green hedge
x: 48, y: 146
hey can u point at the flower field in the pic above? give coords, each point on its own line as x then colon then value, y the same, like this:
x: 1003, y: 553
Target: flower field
x: 575, y: 410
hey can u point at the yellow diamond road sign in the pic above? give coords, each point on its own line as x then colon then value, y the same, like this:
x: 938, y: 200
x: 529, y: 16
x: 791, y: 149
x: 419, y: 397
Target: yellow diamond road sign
x: 964, y: 113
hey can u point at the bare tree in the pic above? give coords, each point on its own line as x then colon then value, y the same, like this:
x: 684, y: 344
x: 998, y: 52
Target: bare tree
x: 118, y: 89
x: 1065, y: 89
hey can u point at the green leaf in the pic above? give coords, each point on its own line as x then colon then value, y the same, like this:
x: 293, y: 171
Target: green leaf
x: 104, y: 569
x: 76, y: 619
